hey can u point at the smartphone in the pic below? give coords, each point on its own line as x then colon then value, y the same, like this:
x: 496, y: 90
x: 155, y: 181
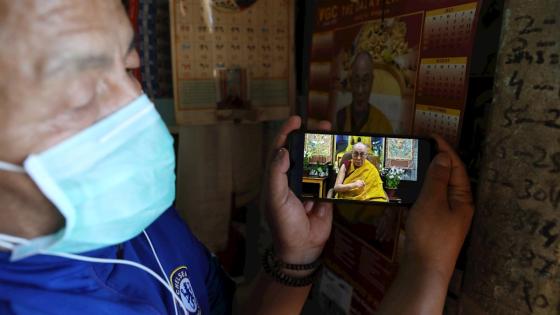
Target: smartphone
x: 362, y: 168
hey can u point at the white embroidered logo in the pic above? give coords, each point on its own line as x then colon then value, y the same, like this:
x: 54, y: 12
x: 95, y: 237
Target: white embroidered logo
x: 183, y: 288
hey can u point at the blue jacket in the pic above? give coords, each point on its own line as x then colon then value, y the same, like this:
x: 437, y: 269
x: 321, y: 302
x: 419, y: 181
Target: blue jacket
x: 52, y: 285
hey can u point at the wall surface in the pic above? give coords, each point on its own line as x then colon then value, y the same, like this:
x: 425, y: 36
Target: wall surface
x: 514, y: 257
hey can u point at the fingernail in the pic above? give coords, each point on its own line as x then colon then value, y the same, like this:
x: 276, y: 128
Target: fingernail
x: 321, y: 211
x: 442, y: 160
x: 279, y: 154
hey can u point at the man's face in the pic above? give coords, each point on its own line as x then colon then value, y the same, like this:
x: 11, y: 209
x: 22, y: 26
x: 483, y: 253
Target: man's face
x: 359, y: 154
x: 361, y: 81
x: 67, y: 68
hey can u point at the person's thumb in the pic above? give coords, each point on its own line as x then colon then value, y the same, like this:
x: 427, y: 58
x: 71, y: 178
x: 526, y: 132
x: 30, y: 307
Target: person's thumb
x: 278, y: 181
x: 436, y: 181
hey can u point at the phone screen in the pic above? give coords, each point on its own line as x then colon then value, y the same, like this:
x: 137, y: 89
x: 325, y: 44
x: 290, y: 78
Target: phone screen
x: 358, y: 167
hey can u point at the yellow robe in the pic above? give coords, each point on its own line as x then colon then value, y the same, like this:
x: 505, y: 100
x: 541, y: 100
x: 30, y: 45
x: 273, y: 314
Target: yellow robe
x: 373, y: 189
x: 377, y: 121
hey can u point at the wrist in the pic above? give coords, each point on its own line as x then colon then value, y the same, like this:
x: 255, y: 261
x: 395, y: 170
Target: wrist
x: 298, y: 256
x: 418, y: 289
x: 421, y: 271
x: 298, y: 273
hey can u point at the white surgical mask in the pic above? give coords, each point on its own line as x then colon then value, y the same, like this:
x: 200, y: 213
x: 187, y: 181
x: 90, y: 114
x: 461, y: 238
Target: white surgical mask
x: 109, y: 181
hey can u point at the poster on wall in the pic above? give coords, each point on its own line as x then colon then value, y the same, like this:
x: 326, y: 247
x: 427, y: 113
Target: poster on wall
x: 231, y: 57
x: 390, y: 67
x: 393, y: 67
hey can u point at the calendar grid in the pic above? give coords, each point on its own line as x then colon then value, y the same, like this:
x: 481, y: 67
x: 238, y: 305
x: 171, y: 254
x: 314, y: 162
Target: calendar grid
x: 448, y: 31
x: 442, y: 78
x: 211, y: 37
x: 435, y: 119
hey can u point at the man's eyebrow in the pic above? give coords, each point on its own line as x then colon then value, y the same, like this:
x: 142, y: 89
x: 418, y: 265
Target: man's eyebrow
x: 78, y: 63
x: 91, y: 62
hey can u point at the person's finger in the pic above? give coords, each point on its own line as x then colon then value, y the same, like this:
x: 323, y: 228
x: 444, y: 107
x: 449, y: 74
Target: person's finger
x: 324, y: 125
x: 278, y: 182
x: 436, y: 183
x: 293, y: 123
x: 459, y: 193
x: 321, y: 216
x: 313, y: 124
x: 324, y: 208
x: 460, y: 177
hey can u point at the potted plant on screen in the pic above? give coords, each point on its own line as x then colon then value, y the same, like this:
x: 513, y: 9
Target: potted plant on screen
x: 392, y: 180
x: 306, y: 165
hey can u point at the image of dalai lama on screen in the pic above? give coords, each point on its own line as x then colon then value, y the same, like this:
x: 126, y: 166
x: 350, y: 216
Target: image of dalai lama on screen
x: 358, y: 178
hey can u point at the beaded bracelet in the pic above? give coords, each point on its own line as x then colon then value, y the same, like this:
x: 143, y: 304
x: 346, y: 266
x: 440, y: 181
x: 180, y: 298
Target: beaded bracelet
x: 273, y: 267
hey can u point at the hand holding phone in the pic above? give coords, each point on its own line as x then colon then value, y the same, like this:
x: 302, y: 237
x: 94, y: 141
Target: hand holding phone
x: 299, y: 230
x: 436, y: 229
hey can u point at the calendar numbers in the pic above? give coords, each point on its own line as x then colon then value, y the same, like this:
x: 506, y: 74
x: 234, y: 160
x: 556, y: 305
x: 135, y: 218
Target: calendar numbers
x: 216, y: 39
x: 442, y: 75
x: 443, y: 78
x: 249, y: 35
x: 449, y: 30
x: 440, y: 120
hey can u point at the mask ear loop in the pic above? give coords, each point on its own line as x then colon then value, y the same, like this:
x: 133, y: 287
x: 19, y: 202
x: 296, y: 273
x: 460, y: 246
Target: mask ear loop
x: 11, y: 167
x: 6, y: 245
x: 9, y: 242
x: 13, y: 239
x: 159, y: 264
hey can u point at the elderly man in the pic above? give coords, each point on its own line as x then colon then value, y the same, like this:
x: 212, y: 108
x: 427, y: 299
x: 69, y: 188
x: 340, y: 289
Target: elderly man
x: 358, y: 178
x: 86, y: 182
x: 360, y: 115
